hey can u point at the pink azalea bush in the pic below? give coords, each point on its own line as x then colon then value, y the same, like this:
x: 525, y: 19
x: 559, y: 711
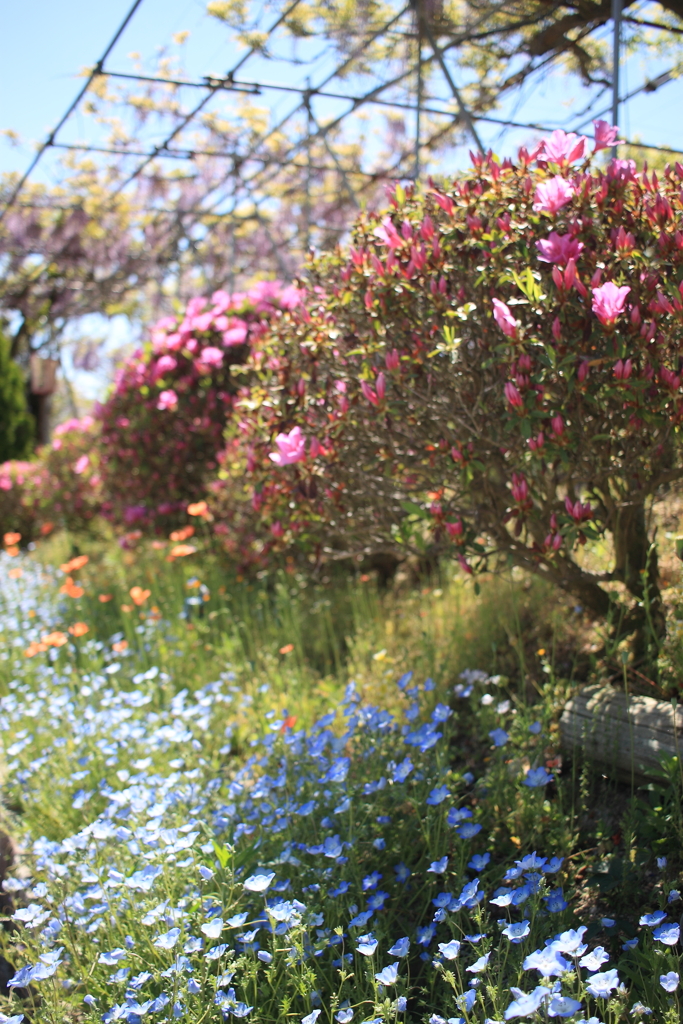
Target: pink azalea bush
x: 163, y: 424
x: 492, y: 369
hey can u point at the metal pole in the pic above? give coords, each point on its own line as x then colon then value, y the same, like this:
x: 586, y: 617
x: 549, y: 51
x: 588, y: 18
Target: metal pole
x: 418, y: 109
x: 309, y: 122
x: 616, y: 57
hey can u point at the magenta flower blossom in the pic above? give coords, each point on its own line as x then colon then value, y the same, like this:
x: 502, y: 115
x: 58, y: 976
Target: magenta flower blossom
x: 290, y: 448
x: 81, y: 464
x: 562, y: 148
x: 553, y: 194
x: 559, y: 248
x: 608, y: 302
x: 605, y: 135
x: 167, y: 400
x: 504, y: 319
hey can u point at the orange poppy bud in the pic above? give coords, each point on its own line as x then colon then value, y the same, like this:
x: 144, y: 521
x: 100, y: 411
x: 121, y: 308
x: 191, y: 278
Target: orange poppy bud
x: 78, y: 629
x: 139, y: 595
x: 75, y: 563
x: 182, y: 534
x: 120, y: 645
x: 287, y: 649
x: 11, y: 539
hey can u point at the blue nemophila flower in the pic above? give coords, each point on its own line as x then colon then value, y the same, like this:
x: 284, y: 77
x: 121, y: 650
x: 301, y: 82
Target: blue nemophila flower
x: 312, y: 1017
x: 499, y: 737
x: 259, y: 882
x: 535, y: 728
x: 601, y: 985
x: 669, y: 934
x: 366, y: 944
x: 236, y: 921
x: 607, y: 922
x: 468, y: 829
x: 669, y: 981
x: 517, y: 931
x: 479, y: 861
x: 377, y: 900
x: 502, y: 897
x: 458, y: 814
x: 401, y: 1004
x: 306, y: 808
x: 194, y: 944
x: 652, y: 920
x: 466, y: 1001
x: 112, y: 956
x: 206, y: 873
x: 118, y: 976
x: 371, y: 881
x: 360, y: 920
x: 563, y: 1006
x: 525, y: 1004
x: 338, y: 770
x: 537, y: 777
x: 402, y: 770
x: 571, y: 941
x: 555, y: 901
x: 437, y: 796
x: 594, y: 960
x: 342, y: 888
x: 424, y: 738
x: 553, y: 865
x: 400, y: 948
x: 479, y: 965
x: 438, y: 867
x: 168, y: 939
x: 449, y: 950
x: 344, y: 1016
x: 380, y: 843
x: 661, y: 863
x: 265, y: 956
x: 217, y: 952
x: 630, y: 944
x: 426, y: 934
x: 403, y: 681
x: 441, y: 713
x: 402, y: 872
x: 548, y: 961
x: 388, y: 976
x: 475, y: 938
x: 638, y: 1009
x: 674, y: 895
x: 212, y: 929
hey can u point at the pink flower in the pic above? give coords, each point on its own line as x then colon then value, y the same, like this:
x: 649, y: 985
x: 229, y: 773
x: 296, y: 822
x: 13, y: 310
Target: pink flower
x: 236, y: 334
x: 558, y: 248
x: 605, y: 135
x: 388, y: 234
x: 557, y: 423
x: 291, y: 297
x: 211, y: 356
x: 504, y: 319
x: 563, y: 148
x: 167, y: 400
x: 513, y: 396
x: 369, y: 393
x: 166, y: 364
x: 553, y: 194
x: 291, y: 448
x: 81, y: 464
x: 519, y: 488
x: 454, y: 529
x: 392, y: 359
x: 578, y: 511
x: 608, y: 302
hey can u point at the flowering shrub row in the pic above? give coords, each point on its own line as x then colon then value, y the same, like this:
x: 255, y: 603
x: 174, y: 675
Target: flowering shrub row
x: 491, y: 368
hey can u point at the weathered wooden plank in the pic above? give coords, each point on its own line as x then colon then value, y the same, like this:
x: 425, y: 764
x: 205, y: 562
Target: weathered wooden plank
x: 624, y: 735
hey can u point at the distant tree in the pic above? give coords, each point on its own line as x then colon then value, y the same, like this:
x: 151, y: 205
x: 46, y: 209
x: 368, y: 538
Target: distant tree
x: 17, y: 428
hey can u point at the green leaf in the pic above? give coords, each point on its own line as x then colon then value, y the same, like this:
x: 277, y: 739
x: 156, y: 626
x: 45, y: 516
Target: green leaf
x: 411, y: 506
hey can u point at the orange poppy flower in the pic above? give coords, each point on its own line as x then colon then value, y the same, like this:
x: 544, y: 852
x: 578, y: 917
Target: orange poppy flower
x: 103, y: 598
x: 198, y: 508
x: 139, y: 595
x: 13, y: 552
x: 120, y: 645
x: 288, y: 723
x: 78, y: 629
x: 14, y: 574
x: 180, y: 550
x: 56, y: 639
x: 75, y: 563
x: 34, y: 648
x: 46, y: 528
x: 71, y: 589
x: 182, y: 534
x: 11, y: 539
x: 287, y: 649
